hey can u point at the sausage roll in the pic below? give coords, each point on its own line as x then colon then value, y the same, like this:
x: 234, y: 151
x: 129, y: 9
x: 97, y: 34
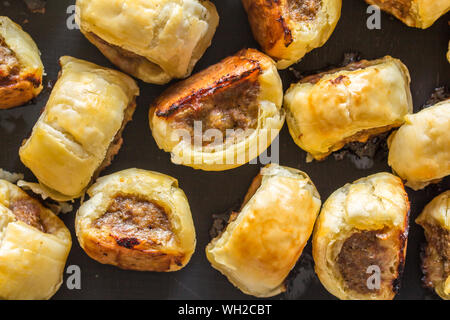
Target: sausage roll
x: 222, y: 117
x: 153, y: 40
x: 137, y: 220
x: 419, y: 152
x: 34, y: 245
x: 289, y: 29
x: 359, y: 242
x: 436, y: 256
x: 414, y: 13
x: 328, y: 110
x: 262, y: 242
x: 80, y: 130
x: 21, y: 67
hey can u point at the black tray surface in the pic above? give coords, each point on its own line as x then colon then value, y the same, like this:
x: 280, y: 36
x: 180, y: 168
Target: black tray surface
x: 423, y: 51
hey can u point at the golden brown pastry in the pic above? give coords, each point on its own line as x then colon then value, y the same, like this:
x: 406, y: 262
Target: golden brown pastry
x: 435, y: 220
x: 222, y: 117
x: 153, y: 40
x: 80, y: 130
x: 414, y: 13
x: 328, y: 110
x: 289, y: 29
x: 34, y: 245
x: 21, y: 67
x: 137, y: 220
x: 360, y: 238
x: 263, y: 241
x: 419, y: 152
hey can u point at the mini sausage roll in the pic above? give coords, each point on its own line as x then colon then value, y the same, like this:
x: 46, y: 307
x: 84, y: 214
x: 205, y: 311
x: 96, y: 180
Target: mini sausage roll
x: 222, y: 117
x: 263, y: 241
x: 414, y: 13
x: 153, y: 40
x: 328, y: 110
x: 34, y: 245
x: 289, y: 29
x: 419, y: 152
x: 436, y: 257
x: 137, y: 220
x: 80, y: 130
x: 360, y: 238
x: 21, y: 67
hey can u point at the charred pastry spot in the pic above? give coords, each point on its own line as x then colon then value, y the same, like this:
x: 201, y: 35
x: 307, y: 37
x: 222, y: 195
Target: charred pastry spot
x: 288, y: 38
x: 128, y: 243
x: 132, y: 220
x: 29, y: 212
x: 338, y: 80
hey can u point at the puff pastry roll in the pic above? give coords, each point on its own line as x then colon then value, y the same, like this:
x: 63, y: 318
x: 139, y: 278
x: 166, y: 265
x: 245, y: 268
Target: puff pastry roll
x: 436, y: 257
x: 263, y: 241
x: 328, y: 110
x: 360, y: 238
x: 153, y: 40
x: 289, y: 29
x: 222, y: 117
x: 137, y: 220
x: 80, y: 130
x: 21, y: 67
x: 419, y: 152
x: 34, y: 245
x: 414, y: 13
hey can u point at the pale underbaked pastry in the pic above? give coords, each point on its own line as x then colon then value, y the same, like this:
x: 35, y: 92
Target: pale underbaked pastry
x: 414, y: 13
x: 328, y: 110
x: 137, y: 220
x: 80, y: 130
x: 21, y: 67
x: 222, y: 117
x: 419, y: 152
x: 34, y: 245
x: 153, y: 40
x: 289, y: 29
x: 360, y: 238
x: 435, y: 219
x: 262, y: 242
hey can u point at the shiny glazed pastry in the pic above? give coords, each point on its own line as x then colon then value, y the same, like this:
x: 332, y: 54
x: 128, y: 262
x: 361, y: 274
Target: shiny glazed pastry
x: 34, y: 245
x: 21, y: 67
x: 414, y: 13
x: 419, y: 152
x: 328, y: 110
x: 80, y: 130
x: 137, y: 220
x: 263, y: 241
x: 289, y: 29
x: 436, y: 257
x: 222, y: 117
x: 153, y: 40
x: 361, y: 232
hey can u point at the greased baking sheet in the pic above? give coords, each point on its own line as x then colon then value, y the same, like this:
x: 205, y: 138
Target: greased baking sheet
x: 423, y: 51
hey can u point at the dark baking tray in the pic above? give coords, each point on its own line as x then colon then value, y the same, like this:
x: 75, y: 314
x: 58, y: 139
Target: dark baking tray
x: 423, y: 51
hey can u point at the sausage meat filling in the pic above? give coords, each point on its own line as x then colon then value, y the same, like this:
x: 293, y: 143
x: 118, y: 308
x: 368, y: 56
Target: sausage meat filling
x: 134, y: 221
x: 229, y: 112
x: 29, y: 212
x: 304, y: 10
x: 9, y: 64
x: 436, y: 259
x: 365, y: 249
